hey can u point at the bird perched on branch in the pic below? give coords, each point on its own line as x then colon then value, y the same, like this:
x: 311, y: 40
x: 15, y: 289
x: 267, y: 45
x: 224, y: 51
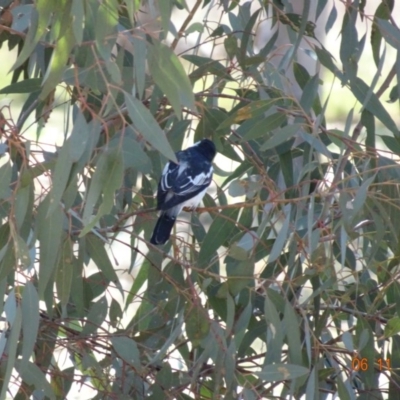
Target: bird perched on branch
x: 183, y: 185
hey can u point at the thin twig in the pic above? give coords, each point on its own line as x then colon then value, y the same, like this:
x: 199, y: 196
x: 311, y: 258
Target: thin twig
x: 186, y: 23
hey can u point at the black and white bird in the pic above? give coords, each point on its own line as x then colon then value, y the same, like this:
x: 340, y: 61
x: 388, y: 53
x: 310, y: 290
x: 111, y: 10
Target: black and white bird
x: 183, y: 185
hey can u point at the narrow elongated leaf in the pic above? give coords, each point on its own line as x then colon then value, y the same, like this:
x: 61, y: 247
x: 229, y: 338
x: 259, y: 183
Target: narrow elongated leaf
x: 97, y: 252
x: 361, y: 195
x: 49, y: 228
x: 127, y: 349
x: 246, y: 36
x: 220, y: 231
x: 95, y: 317
x: 132, y: 153
x: 360, y: 90
x: 252, y: 110
x: 389, y: 32
x: 30, y: 323
x: 275, y: 340
x: 106, y: 180
x: 64, y: 272
x: 5, y: 178
x: 13, y: 340
x: 165, y: 12
x: 292, y: 328
x: 265, y: 126
x: 281, y: 372
x: 39, y: 21
x: 78, y: 11
x: 32, y: 375
x: 280, y: 136
x: 197, y: 325
x: 25, y: 86
x: 106, y: 21
x: 280, y: 239
x: 169, y: 75
x: 139, y: 44
x: 206, y: 66
x: 70, y: 152
x: 146, y: 125
x: 58, y: 62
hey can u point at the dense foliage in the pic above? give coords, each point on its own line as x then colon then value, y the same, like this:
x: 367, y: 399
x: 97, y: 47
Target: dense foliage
x: 284, y: 284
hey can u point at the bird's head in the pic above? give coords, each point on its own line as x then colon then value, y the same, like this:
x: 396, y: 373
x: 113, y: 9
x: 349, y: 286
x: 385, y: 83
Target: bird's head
x: 207, y: 148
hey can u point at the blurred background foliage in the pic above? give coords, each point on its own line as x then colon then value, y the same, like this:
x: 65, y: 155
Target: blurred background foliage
x: 284, y: 285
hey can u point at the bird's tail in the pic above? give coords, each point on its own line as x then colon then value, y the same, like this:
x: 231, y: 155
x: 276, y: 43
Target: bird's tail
x: 162, y: 230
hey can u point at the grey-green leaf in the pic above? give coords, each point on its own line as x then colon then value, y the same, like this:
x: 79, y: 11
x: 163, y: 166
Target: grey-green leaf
x: 147, y: 126
x: 169, y: 75
x: 281, y: 372
x: 30, y: 322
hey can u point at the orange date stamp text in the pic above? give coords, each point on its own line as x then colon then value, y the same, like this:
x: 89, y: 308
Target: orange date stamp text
x: 363, y: 364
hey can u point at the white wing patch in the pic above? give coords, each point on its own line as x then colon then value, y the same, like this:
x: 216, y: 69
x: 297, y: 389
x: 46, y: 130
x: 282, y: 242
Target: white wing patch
x: 198, y: 180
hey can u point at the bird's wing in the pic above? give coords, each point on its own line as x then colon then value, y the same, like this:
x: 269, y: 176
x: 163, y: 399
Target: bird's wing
x: 180, y: 183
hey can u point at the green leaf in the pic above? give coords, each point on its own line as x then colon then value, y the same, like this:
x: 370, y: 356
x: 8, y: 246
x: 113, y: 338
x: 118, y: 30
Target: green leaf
x: 8, y: 261
x: 49, y: 229
x: 138, y: 281
x: 249, y: 111
x: 22, y: 251
x: 5, y: 178
x: 59, y: 58
x: 78, y: 11
x: 265, y: 126
x: 275, y: 340
x: 64, y: 272
x: 70, y: 152
x: 368, y: 120
x: 197, y: 325
x: 106, y: 21
x: 361, y: 195
x: 320, y: 7
x: 282, y: 372
x: 127, y: 349
x: 242, y: 324
x: 206, y: 66
x: 360, y: 89
x: 139, y: 61
x: 30, y: 323
x: 301, y: 74
x: 32, y: 375
x: 280, y: 240
x: 25, y: 86
x: 13, y: 340
x: 389, y: 32
x: 146, y: 125
x: 240, y: 274
x: 392, y: 327
x: 106, y: 180
x: 195, y: 27
x: 221, y: 229
x: 344, y: 392
x: 231, y: 47
x: 331, y: 19
x: 170, y: 76
x: 165, y: 13
x: 38, y: 27
x: 98, y: 254
x: 349, y: 45
x: 132, y: 152
x: 310, y: 93
x: 295, y: 21
x: 95, y: 317
x: 280, y: 136
x: 247, y: 32
x: 292, y: 328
